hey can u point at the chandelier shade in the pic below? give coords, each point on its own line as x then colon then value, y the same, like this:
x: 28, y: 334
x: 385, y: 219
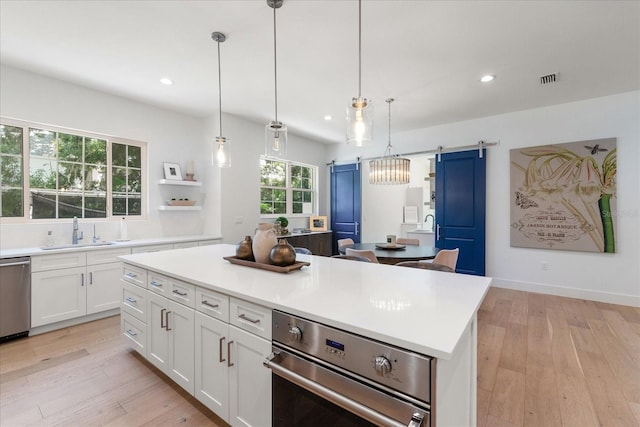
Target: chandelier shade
x: 220, y: 153
x: 389, y: 169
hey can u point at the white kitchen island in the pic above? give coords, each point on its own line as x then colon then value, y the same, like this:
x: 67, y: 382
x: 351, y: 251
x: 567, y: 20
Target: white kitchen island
x: 424, y: 311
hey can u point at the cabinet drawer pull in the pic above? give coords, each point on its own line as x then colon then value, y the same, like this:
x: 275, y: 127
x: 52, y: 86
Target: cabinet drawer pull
x: 229, y: 364
x: 162, y: 325
x: 208, y: 304
x: 166, y: 315
x: 132, y: 300
x: 132, y: 275
x: 222, y: 359
x: 177, y: 292
x: 81, y: 279
x: 130, y: 332
x: 156, y: 284
x: 91, y: 277
x: 248, y: 319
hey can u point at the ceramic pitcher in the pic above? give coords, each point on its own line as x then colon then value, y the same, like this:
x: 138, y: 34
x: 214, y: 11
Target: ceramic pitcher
x: 263, y: 241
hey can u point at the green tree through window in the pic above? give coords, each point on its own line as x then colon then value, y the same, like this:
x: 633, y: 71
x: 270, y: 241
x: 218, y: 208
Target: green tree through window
x: 286, y: 187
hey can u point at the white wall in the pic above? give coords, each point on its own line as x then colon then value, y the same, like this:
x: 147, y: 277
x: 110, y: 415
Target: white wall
x: 604, y: 277
x: 241, y: 182
x: 169, y: 136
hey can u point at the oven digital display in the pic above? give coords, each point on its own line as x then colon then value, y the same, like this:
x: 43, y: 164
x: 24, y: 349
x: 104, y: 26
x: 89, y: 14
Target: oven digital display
x: 335, y: 344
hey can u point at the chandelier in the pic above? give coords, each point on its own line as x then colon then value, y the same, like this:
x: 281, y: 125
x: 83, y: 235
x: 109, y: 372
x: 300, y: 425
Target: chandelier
x: 389, y: 169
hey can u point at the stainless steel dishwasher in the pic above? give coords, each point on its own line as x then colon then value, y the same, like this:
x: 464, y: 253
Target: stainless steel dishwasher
x: 15, y: 297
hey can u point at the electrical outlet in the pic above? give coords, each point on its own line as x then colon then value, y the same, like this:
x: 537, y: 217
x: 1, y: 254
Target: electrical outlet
x: 544, y: 265
x: 237, y: 220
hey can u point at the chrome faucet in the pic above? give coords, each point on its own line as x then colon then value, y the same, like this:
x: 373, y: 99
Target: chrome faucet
x: 74, y: 236
x: 433, y: 221
x: 96, y: 239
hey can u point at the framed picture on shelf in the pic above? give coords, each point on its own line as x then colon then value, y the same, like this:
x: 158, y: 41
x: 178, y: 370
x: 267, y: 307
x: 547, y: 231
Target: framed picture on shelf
x: 172, y: 171
x: 318, y: 223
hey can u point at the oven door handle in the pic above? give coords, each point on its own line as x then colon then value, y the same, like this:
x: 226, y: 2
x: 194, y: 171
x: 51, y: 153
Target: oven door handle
x: 358, y: 409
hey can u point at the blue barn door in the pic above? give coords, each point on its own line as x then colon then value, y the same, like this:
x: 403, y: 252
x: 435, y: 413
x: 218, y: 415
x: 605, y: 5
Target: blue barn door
x: 346, y: 203
x: 460, y: 208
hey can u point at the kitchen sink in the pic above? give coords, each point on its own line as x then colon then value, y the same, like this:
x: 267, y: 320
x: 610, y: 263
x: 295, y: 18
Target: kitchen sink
x: 79, y: 245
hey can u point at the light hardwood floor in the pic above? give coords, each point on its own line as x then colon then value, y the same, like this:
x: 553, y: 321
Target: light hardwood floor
x: 542, y: 361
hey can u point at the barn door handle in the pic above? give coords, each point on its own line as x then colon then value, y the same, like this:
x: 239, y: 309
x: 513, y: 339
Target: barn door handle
x: 438, y: 232
x: 356, y: 227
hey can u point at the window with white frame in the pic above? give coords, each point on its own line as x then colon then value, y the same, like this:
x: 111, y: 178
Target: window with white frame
x: 68, y: 173
x: 287, y: 188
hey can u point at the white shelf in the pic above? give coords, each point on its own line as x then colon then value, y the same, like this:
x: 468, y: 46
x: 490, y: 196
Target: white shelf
x: 180, y: 208
x: 177, y: 182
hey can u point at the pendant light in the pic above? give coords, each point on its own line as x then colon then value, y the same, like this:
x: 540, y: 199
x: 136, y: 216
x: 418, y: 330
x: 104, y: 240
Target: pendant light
x: 360, y: 112
x: 275, y: 132
x: 389, y: 169
x: 220, y: 152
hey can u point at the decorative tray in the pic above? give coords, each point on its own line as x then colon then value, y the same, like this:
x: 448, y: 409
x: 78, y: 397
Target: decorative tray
x: 295, y: 266
x: 181, y: 202
x: 390, y: 246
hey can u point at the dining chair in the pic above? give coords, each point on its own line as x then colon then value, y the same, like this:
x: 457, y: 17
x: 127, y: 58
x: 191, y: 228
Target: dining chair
x: 352, y: 258
x: 405, y: 241
x: 344, y: 242
x: 363, y: 253
x: 448, y: 257
x: 303, y: 251
x: 426, y: 266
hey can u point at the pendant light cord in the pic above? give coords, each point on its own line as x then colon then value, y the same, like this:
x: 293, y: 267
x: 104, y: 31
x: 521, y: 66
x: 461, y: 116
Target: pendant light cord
x: 388, y: 150
x: 219, y: 89
x: 275, y: 62
x: 359, y: 48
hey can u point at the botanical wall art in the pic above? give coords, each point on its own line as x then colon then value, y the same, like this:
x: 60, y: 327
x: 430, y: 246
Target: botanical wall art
x: 563, y: 196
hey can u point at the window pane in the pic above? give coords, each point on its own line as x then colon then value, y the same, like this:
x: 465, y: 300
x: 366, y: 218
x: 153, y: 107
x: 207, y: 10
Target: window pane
x: 297, y: 196
x: 95, y: 151
x: 297, y: 207
x: 279, y: 208
x: 11, y: 171
x: 10, y: 139
x: 42, y: 173
x: 42, y: 143
x: 95, y: 178
x: 70, y: 147
x: 119, y: 154
x: 135, y: 205
x: 307, y: 197
x: 12, y: 203
x: 43, y: 204
x: 273, y: 173
x: 95, y: 207
x: 69, y: 205
x: 70, y: 176
x: 119, y: 205
x: 134, y: 158
x: 134, y: 182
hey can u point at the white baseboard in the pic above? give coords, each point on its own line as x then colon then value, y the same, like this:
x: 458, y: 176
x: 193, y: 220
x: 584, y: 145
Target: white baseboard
x: 75, y: 321
x: 541, y: 288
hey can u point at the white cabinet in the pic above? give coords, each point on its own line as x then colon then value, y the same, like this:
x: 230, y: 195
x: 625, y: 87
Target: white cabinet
x: 249, y: 382
x: 425, y: 238
x: 58, y: 295
x: 69, y: 285
x: 170, y: 339
x: 230, y: 378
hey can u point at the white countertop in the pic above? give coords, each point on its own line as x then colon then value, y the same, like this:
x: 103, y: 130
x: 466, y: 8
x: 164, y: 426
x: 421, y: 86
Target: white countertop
x: 421, y: 310
x: 10, y: 253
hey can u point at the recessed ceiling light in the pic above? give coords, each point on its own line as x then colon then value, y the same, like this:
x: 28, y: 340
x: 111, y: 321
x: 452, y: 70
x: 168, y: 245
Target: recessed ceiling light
x: 487, y: 78
x: 166, y: 81
x: 328, y: 117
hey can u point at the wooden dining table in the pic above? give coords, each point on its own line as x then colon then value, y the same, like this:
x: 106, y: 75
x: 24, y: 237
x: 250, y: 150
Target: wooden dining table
x: 396, y: 254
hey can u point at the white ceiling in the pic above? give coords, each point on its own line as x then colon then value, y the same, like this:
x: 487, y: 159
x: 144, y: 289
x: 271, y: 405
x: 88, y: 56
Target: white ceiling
x: 428, y: 55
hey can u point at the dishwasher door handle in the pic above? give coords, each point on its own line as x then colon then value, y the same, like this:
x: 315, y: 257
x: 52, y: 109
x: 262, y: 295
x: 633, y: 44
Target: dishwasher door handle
x: 13, y: 264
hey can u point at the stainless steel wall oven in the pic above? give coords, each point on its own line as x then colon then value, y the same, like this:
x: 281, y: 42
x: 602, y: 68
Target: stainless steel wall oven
x: 323, y: 376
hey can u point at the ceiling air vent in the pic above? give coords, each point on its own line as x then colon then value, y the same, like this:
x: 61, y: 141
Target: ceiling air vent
x: 549, y: 78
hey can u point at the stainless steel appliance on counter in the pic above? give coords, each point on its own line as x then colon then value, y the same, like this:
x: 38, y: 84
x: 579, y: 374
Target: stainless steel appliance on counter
x: 15, y: 297
x: 325, y: 376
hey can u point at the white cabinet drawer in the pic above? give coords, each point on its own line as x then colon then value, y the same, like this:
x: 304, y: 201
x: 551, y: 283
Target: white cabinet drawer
x: 250, y: 317
x: 134, y: 300
x: 135, y: 275
x: 213, y: 304
x: 135, y: 331
x: 174, y: 289
x: 151, y: 248
x: 57, y: 261
x: 183, y: 245
x: 208, y: 242
x: 105, y: 256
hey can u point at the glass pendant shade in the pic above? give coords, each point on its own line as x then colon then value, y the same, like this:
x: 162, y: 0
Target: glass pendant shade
x: 360, y: 122
x: 221, y: 152
x: 389, y: 170
x: 275, y: 136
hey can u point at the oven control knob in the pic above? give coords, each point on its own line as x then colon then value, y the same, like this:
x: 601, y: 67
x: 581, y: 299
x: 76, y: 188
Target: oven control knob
x: 383, y: 366
x: 295, y: 333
